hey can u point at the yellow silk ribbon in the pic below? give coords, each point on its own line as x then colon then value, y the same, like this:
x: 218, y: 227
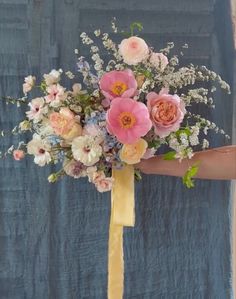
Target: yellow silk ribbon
x: 122, y: 214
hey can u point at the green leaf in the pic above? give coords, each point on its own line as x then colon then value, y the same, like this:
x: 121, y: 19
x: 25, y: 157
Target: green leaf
x: 185, y: 131
x: 137, y: 175
x: 135, y: 25
x: 154, y: 144
x: 190, y: 173
x: 169, y: 155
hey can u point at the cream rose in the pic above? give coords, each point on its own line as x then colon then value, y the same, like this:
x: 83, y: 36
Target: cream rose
x: 133, y: 50
x: 132, y: 153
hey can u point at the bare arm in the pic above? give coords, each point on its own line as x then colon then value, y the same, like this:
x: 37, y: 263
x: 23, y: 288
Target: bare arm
x: 217, y: 164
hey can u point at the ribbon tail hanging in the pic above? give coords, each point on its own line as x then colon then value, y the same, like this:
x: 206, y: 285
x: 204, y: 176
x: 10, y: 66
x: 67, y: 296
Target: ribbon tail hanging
x: 122, y: 214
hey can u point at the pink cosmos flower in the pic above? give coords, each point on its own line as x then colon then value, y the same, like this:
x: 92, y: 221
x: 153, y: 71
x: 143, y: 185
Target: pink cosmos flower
x: 118, y: 84
x: 56, y: 93
x: 133, y: 50
x: 167, y: 112
x: 18, y: 155
x: 128, y: 120
x: 37, y: 109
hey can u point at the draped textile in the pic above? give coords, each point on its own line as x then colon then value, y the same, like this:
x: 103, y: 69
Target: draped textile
x: 54, y: 238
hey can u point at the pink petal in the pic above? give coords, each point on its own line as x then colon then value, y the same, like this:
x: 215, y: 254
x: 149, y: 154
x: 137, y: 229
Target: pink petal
x: 107, y: 95
x: 129, y: 93
x: 164, y: 90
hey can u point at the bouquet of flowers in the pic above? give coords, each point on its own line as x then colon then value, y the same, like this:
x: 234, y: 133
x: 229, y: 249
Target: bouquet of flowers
x: 127, y: 108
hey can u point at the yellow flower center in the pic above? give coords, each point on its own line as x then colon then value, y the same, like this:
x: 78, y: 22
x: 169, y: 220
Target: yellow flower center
x: 127, y: 120
x: 118, y: 88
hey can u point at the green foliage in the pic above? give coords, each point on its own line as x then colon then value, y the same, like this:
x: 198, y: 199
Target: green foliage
x: 137, y: 175
x: 169, y: 155
x: 135, y: 25
x: 190, y: 173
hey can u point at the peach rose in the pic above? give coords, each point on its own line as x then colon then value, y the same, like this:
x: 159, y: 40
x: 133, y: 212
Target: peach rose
x: 166, y: 111
x: 18, y: 155
x: 132, y: 153
x: 133, y: 50
x: 62, y: 122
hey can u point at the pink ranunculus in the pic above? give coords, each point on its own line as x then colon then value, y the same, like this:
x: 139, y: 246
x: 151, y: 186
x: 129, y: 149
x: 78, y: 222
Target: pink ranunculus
x: 133, y: 50
x: 18, y: 155
x: 118, y: 84
x: 128, y: 120
x: 159, y: 60
x: 102, y: 183
x: 167, y: 112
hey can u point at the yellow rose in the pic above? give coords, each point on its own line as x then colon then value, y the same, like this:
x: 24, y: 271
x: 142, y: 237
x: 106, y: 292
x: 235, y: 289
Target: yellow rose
x: 132, y: 153
x: 74, y: 132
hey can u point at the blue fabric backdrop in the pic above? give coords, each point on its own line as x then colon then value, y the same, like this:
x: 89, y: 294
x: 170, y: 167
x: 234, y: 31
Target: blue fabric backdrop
x: 53, y: 238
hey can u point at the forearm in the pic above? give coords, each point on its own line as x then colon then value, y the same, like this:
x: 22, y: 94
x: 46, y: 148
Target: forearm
x: 218, y: 163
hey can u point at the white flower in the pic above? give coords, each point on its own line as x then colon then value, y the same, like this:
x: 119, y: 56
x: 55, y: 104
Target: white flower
x: 90, y: 172
x: 159, y: 61
x: 193, y: 139
x: 45, y: 129
x: 37, y: 110
x: 40, y: 149
x: 77, y: 89
x: 205, y: 144
x: 86, y: 150
x: 133, y: 50
x: 184, y: 139
x: 97, y: 32
x: 53, y: 77
x: 29, y: 84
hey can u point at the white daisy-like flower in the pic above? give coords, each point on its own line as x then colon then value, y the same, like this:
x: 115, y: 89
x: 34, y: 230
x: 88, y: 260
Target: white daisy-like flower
x: 29, y: 84
x: 37, y: 110
x: 52, y: 78
x: 40, y: 149
x: 86, y: 149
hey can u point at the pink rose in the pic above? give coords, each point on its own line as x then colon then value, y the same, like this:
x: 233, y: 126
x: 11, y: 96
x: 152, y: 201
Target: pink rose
x: 159, y: 60
x: 133, y: 50
x: 118, y: 84
x: 18, y: 155
x: 166, y: 111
